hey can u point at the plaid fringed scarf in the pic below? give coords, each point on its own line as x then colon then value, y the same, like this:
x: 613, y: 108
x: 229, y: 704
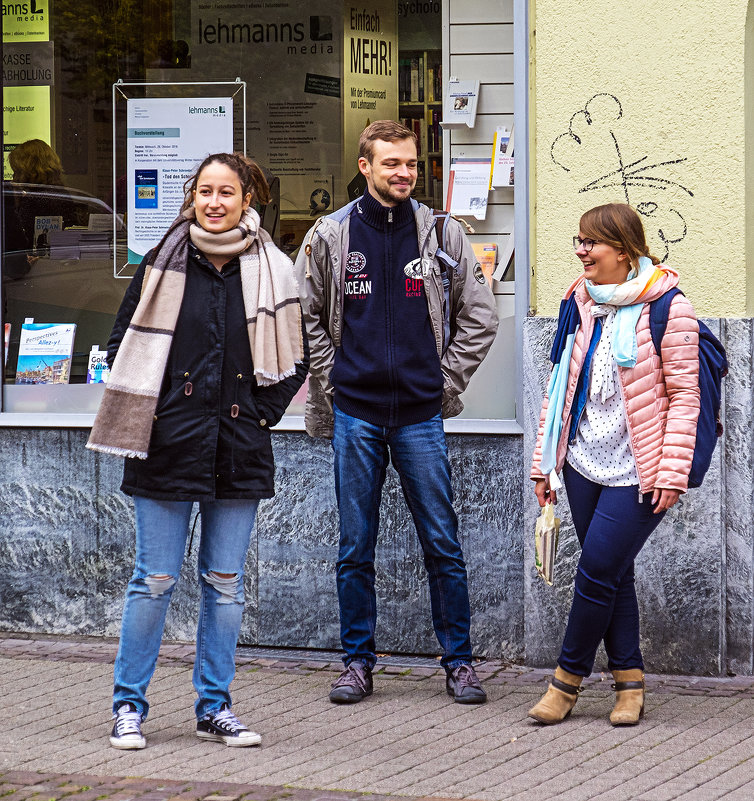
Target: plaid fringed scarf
x: 123, y: 425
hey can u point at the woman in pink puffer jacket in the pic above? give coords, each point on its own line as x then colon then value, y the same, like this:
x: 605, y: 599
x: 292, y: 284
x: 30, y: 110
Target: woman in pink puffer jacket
x: 621, y: 425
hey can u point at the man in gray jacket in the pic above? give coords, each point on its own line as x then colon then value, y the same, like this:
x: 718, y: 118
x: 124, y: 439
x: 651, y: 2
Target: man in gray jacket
x: 397, y: 323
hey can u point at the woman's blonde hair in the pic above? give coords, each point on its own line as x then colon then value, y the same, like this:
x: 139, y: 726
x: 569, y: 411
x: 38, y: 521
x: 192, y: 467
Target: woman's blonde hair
x: 618, y: 225
x: 35, y: 162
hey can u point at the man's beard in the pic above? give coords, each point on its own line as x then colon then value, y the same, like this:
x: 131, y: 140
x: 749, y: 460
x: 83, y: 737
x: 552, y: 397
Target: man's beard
x: 385, y: 194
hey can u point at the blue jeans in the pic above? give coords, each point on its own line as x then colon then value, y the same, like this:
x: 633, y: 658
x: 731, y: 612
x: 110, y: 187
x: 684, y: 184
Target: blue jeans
x: 419, y: 453
x: 612, y: 527
x: 161, y: 531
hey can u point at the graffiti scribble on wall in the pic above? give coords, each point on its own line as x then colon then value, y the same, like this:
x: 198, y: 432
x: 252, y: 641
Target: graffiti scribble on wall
x: 591, y: 147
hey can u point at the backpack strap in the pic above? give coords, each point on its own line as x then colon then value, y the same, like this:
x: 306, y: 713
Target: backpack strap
x: 658, y: 317
x: 447, y: 265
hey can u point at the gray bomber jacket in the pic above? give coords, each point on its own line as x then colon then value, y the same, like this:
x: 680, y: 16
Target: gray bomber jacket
x: 320, y: 271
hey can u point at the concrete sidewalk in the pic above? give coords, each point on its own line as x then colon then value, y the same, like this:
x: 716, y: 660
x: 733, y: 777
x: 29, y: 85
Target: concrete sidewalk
x: 409, y: 740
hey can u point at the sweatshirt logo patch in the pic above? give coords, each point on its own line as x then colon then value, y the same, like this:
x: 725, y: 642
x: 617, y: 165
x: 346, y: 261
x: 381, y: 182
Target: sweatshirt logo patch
x: 355, y: 262
x: 413, y: 269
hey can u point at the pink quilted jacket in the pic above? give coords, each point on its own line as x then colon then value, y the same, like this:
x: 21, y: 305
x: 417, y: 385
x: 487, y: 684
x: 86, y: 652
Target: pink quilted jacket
x: 661, y: 398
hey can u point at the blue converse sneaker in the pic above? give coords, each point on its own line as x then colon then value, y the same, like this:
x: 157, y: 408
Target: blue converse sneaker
x: 223, y: 726
x: 126, y: 733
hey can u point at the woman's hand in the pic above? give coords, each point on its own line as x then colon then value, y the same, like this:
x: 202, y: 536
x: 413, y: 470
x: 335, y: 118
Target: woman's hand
x: 543, y: 492
x: 663, y: 499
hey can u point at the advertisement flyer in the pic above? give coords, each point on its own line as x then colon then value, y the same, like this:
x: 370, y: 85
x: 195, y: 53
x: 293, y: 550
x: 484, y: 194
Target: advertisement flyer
x: 44, y: 353
x: 167, y: 139
x: 26, y: 115
x: 370, y: 69
x: 290, y: 56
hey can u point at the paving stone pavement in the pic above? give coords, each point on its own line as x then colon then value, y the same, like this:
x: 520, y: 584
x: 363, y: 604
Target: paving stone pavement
x: 407, y: 741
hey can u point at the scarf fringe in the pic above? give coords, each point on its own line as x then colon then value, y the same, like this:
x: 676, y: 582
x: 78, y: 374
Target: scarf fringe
x: 265, y: 379
x: 113, y: 451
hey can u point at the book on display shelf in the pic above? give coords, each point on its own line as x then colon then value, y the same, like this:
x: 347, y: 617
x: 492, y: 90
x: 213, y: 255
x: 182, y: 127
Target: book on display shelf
x: 486, y: 255
x: 97, y: 371
x: 468, y: 187
x: 460, y: 103
x: 43, y: 227
x: 502, y: 159
x: 507, y: 258
x: 44, y: 353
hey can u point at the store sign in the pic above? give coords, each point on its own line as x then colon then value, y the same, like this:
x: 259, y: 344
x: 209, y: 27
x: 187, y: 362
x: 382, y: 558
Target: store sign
x: 26, y: 115
x: 28, y: 21
x: 167, y: 139
x: 28, y: 64
x: 370, y: 81
x: 290, y: 54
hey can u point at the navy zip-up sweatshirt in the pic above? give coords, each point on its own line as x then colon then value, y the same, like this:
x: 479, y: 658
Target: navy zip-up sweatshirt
x: 386, y: 370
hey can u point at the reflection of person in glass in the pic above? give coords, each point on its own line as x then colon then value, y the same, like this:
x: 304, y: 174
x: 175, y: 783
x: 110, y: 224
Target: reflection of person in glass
x: 206, y: 353
x: 36, y: 166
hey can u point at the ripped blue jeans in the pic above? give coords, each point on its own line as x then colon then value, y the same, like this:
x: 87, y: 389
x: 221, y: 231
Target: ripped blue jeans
x: 162, y: 528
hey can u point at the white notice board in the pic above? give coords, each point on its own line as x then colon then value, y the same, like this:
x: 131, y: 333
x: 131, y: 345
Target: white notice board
x: 167, y: 138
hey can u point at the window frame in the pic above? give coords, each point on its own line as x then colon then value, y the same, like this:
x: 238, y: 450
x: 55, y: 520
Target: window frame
x: 521, y: 199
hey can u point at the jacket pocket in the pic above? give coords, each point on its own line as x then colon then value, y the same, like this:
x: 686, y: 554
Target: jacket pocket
x: 181, y: 387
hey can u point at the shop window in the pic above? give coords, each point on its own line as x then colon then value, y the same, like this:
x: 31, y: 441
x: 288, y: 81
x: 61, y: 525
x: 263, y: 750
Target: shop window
x: 315, y: 75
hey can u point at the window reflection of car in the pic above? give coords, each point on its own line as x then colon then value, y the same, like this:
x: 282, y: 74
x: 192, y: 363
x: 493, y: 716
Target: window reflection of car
x: 69, y: 279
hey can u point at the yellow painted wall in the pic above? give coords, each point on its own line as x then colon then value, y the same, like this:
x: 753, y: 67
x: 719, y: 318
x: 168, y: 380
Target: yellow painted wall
x: 677, y: 73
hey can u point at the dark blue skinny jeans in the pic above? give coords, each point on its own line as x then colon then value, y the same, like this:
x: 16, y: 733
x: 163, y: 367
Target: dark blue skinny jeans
x: 612, y: 527
x: 420, y: 455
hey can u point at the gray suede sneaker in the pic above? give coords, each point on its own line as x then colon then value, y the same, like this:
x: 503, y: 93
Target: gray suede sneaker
x: 353, y: 684
x: 463, y: 686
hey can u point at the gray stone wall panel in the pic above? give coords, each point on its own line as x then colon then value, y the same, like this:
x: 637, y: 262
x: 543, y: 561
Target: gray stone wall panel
x: 66, y: 544
x: 738, y: 499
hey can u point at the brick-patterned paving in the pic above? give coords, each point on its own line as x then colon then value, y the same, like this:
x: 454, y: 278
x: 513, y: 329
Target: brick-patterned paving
x: 19, y: 785
x: 491, y: 672
x: 408, y: 741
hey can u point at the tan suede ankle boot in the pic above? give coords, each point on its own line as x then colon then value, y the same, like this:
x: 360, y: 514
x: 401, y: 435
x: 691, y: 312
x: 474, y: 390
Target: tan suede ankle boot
x: 561, y: 696
x: 629, y: 697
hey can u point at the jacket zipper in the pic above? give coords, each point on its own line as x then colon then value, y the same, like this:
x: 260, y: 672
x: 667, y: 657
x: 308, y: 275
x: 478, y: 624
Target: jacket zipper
x: 388, y: 283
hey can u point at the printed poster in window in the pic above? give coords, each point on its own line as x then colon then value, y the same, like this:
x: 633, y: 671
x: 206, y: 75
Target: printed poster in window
x: 290, y: 54
x: 26, y: 115
x: 167, y: 137
x: 370, y: 73
x: 26, y: 21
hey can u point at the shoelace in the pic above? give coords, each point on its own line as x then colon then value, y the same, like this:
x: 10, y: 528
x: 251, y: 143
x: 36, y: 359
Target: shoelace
x: 227, y: 720
x: 352, y: 675
x: 465, y: 676
x: 128, y: 723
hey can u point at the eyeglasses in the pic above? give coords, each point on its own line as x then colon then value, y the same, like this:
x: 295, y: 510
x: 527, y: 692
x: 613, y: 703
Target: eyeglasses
x: 587, y: 244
